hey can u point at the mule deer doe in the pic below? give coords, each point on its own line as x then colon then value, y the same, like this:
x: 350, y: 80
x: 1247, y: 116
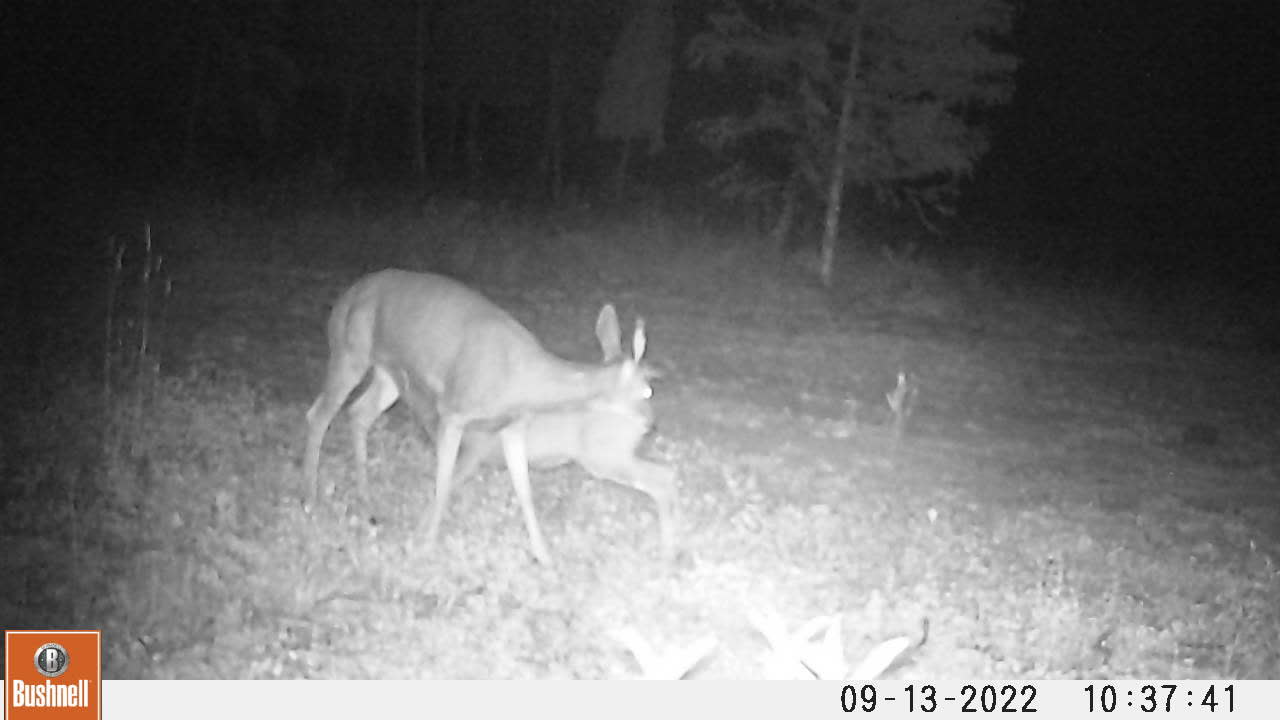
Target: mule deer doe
x: 446, y: 348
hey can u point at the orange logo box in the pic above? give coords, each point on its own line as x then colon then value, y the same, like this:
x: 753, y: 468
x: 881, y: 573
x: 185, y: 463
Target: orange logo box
x: 52, y: 675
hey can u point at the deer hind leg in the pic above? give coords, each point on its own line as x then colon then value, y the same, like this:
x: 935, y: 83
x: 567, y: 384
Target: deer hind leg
x: 380, y: 394
x: 344, y: 374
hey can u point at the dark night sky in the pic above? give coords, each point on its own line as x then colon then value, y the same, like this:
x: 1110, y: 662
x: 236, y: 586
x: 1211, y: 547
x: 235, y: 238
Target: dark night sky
x: 1159, y: 111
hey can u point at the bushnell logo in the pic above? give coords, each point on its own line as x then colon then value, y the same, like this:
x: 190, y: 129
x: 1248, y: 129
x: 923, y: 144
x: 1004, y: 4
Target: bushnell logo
x: 52, y: 660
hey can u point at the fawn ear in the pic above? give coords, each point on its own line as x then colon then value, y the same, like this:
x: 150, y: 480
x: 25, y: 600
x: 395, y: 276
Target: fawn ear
x: 609, y: 334
x: 638, y: 341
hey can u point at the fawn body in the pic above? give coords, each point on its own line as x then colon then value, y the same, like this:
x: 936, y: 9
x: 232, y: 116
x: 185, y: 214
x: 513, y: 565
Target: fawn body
x: 464, y: 364
x: 602, y: 438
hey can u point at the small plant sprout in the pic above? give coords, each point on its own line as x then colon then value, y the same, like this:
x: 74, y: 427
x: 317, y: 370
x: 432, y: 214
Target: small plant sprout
x: 902, y: 400
x: 674, y: 664
x: 797, y: 656
x: 879, y: 659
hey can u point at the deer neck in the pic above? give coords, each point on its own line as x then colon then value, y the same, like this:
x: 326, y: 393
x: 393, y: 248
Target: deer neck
x: 560, y: 383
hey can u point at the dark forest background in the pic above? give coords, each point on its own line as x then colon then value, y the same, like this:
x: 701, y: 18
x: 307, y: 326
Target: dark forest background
x: 1145, y: 123
x: 1137, y: 137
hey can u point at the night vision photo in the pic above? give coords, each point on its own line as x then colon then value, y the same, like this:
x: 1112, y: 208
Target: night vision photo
x: 878, y: 341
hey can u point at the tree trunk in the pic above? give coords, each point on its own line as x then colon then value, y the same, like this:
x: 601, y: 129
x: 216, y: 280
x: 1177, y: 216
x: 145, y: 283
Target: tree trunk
x: 552, y: 164
x: 453, y: 118
x: 620, y: 173
x: 835, y: 191
x: 189, y: 130
x: 780, y: 233
x: 472, y: 140
x: 418, y: 124
x: 351, y: 97
x: 196, y: 105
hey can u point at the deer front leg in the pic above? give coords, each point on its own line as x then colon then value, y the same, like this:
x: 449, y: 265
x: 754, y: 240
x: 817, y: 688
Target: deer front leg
x: 448, y: 439
x: 513, y: 448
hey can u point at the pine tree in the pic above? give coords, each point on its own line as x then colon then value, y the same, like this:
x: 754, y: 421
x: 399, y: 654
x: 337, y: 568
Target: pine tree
x: 883, y: 94
x: 633, y: 103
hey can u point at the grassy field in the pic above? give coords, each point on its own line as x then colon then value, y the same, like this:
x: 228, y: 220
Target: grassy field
x: 1087, y: 486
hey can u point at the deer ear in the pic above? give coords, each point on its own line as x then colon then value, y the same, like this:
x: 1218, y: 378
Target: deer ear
x: 609, y: 334
x: 638, y: 340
